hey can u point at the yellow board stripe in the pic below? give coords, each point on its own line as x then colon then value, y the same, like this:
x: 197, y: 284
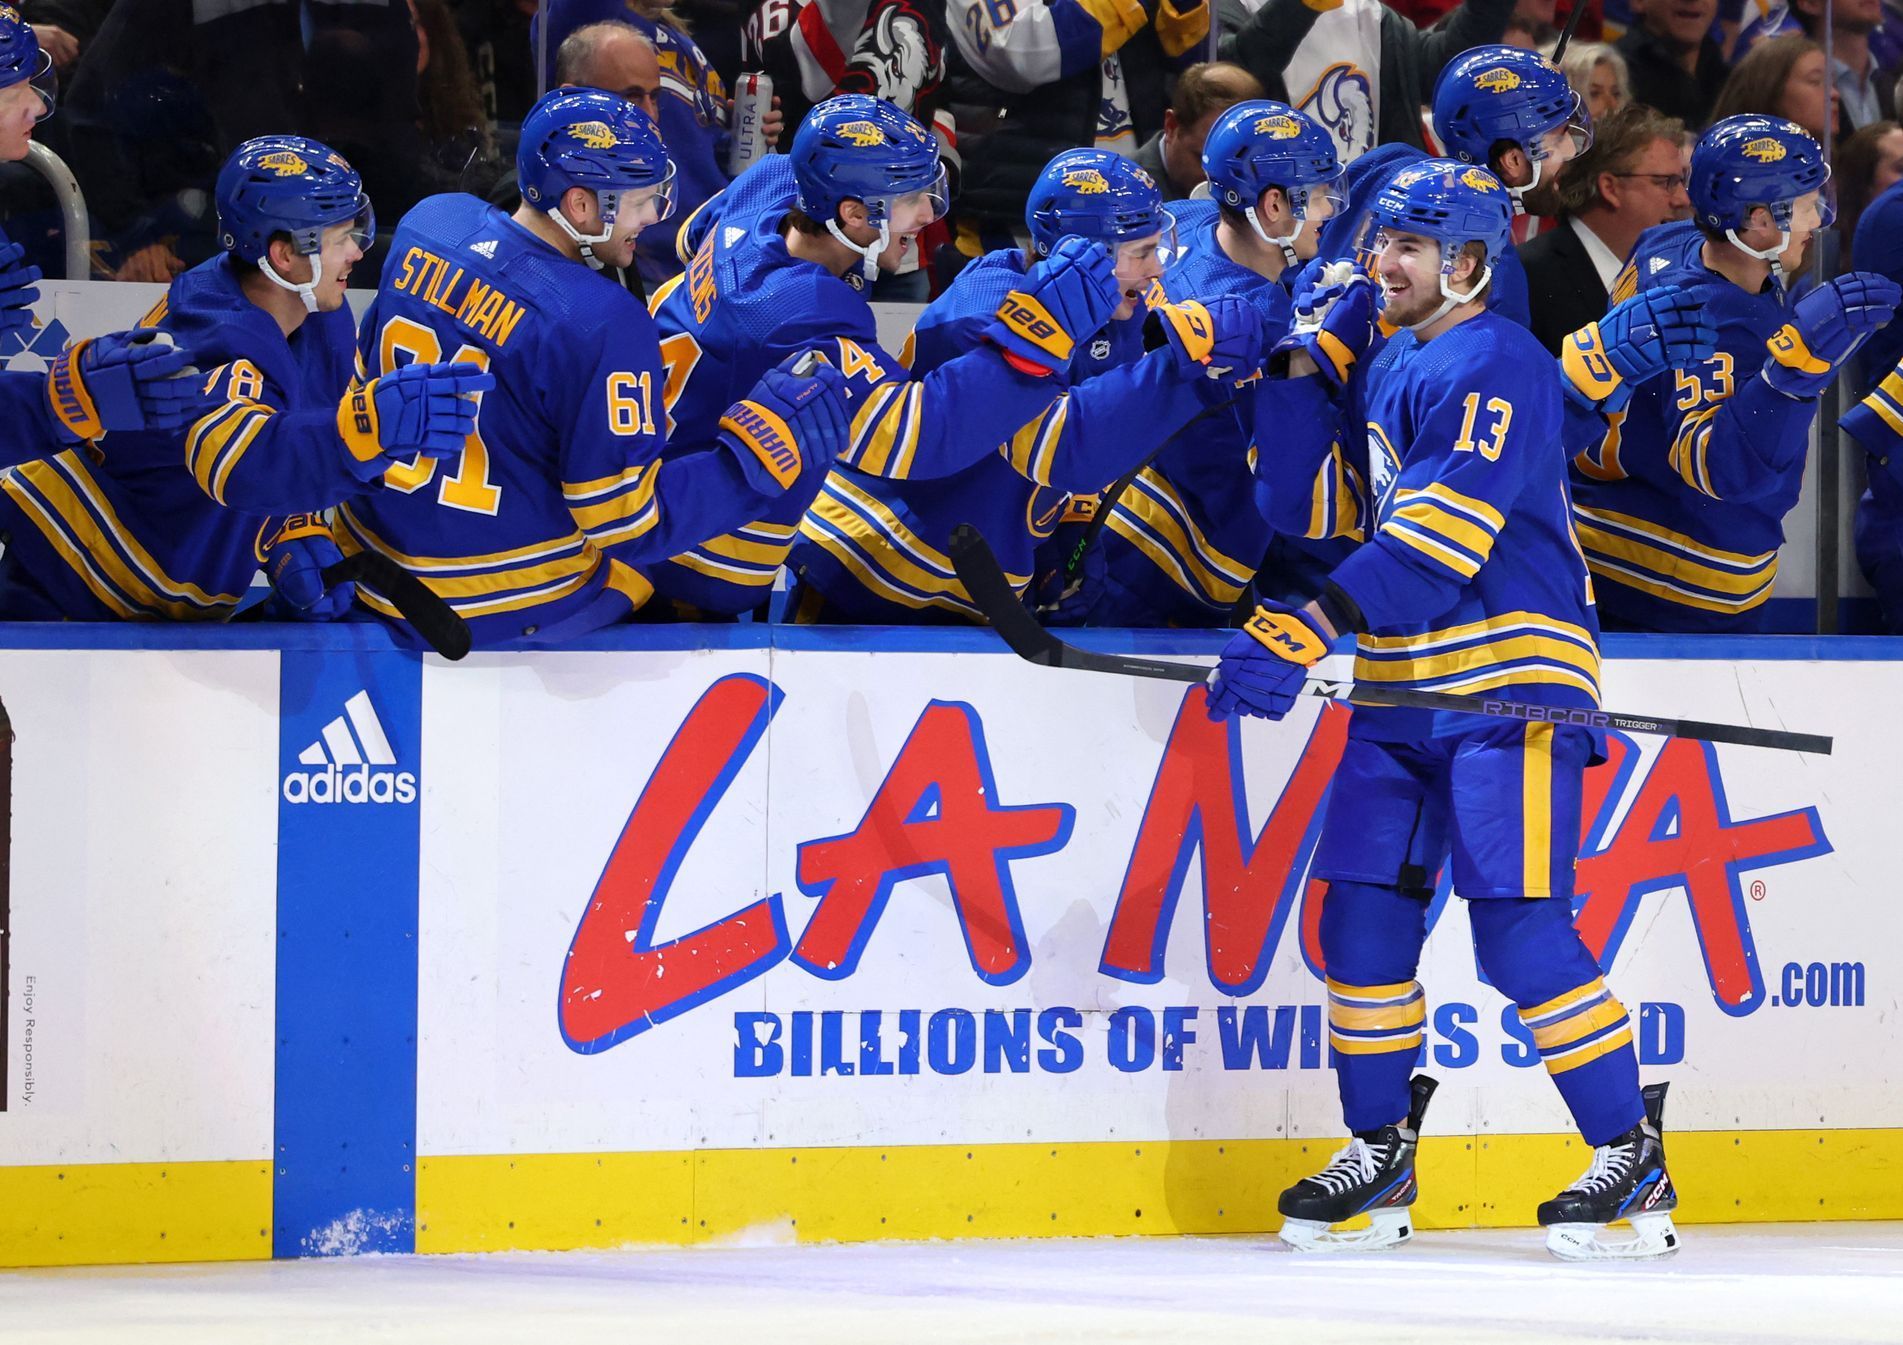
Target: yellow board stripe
x: 73, y: 1214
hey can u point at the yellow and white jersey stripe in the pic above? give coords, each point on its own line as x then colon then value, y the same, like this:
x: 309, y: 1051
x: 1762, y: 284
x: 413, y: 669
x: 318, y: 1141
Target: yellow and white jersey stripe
x: 615, y: 509
x: 1513, y: 649
x: 1152, y: 516
x: 1639, y: 554
x: 485, y: 585
x: 1453, y: 530
x: 749, y: 556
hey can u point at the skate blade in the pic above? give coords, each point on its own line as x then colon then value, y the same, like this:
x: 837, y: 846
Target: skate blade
x: 1652, y: 1236
x: 1386, y: 1228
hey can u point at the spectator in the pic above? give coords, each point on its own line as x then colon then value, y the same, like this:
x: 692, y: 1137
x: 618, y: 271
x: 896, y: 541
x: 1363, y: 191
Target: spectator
x: 1174, y: 155
x: 1356, y: 66
x: 1631, y: 179
x: 452, y: 120
x: 1675, y: 65
x: 1869, y: 163
x: 614, y: 56
x: 1521, y: 33
x: 1598, y: 75
x: 1866, y: 94
x: 1782, y: 77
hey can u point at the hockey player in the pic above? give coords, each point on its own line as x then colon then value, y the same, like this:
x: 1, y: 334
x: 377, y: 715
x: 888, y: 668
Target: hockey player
x: 1681, y: 507
x: 1469, y: 582
x: 1184, y: 537
x: 533, y: 533
x: 161, y: 525
x: 872, y: 549
x: 785, y: 270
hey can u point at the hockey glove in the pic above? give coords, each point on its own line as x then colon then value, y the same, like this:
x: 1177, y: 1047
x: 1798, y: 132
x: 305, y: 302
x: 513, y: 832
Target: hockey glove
x: 1219, y: 340
x: 1334, y: 320
x: 124, y: 381
x: 1663, y: 328
x: 1826, y: 327
x: 792, y: 421
x: 427, y: 409
x: 1265, y: 663
x: 1066, y: 298
x: 17, y: 292
x: 294, y: 559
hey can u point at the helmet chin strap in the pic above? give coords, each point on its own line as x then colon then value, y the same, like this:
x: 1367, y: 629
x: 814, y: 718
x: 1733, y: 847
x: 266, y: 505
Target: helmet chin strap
x: 308, y: 290
x: 1286, y: 244
x: 586, y: 242
x: 1775, y: 255
x: 871, y: 252
x: 1539, y: 169
x: 1451, y: 297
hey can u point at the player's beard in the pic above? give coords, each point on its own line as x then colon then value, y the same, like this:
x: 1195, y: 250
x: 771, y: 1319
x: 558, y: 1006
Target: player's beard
x: 1543, y: 199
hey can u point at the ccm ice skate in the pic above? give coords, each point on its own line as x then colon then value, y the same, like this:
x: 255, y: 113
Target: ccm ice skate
x: 1374, y: 1175
x: 1627, y: 1180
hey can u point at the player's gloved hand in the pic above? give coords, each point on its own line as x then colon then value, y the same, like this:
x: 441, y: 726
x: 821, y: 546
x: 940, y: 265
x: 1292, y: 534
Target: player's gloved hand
x: 295, y: 557
x: 134, y: 380
x: 17, y: 292
x: 1220, y: 340
x: 1265, y: 663
x: 1065, y: 298
x: 1826, y: 327
x: 1663, y: 328
x: 795, y: 419
x: 420, y: 408
x: 1334, y: 320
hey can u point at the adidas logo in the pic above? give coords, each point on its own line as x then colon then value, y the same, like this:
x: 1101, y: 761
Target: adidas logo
x: 352, y: 757
x: 486, y: 248
x: 1657, y: 264
x: 732, y: 235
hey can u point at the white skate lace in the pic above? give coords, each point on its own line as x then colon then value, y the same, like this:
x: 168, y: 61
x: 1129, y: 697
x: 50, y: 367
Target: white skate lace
x: 1610, y: 1164
x: 1348, y: 1169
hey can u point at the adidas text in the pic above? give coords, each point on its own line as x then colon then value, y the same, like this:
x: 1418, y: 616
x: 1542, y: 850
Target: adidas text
x: 350, y: 784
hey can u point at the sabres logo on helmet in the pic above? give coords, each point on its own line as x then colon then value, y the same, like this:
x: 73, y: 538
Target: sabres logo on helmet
x: 1497, y: 80
x: 9, y: 14
x: 594, y: 134
x: 285, y: 164
x: 1407, y: 177
x: 1766, y: 149
x: 1087, y: 181
x: 1480, y: 181
x: 862, y: 133
x: 1278, y: 127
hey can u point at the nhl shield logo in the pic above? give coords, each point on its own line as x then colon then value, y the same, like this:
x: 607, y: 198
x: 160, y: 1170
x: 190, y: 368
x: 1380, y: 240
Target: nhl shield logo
x: 1100, y: 348
x: 1765, y: 149
x: 1497, y: 80
x: 594, y: 134
x: 862, y: 133
x: 284, y: 164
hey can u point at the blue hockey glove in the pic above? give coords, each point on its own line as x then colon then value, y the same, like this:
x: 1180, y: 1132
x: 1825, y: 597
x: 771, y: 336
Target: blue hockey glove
x: 1826, y: 327
x: 1663, y: 328
x: 124, y: 381
x: 1265, y: 663
x: 1334, y: 320
x: 420, y: 408
x: 1220, y: 340
x: 294, y: 559
x: 1066, y: 298
x: 17, y: 292
x: 795, y: 419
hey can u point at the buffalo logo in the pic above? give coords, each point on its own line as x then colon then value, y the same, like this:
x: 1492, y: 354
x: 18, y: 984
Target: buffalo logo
x: 1767, y: 149
x: 284, y: 164
x: 1088, y: 181
x: 1279, y: 127
x: 594, y: 134
x: 1498, y: 80
x: 1480, y: 181
x: 862, y: 133
x: 9, y: 14
x: 1342, y: 100
x: 1407, y: 177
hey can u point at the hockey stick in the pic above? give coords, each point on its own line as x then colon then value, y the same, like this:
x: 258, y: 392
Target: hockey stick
x: 433, y: 619
x: 1566, y: 33
x: 991, y: 593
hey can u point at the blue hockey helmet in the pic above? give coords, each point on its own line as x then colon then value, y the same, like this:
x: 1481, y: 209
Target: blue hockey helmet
x: 601, y: 143
x: 859, y: 148
x: 1497, y: 93
x: 1749, y: 162
x: 286, y: 184
x: 1453, y: 203
x: 1261, y: 144
x: 1093, y: 193
x: 23, y: 62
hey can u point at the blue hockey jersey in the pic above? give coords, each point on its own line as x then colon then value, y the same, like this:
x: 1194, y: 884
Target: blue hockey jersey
x: 1681, y: 506
x: 874, y: 547
x: 533, y: 532
x: 744, y: 304
x: 148, y: 526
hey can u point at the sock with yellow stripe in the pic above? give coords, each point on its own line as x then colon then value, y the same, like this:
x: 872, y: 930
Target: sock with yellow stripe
x: 1533, y: 955
x: 1371, y: 941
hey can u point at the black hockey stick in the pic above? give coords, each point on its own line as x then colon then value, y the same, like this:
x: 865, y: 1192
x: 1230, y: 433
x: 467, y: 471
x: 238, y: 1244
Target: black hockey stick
x: 991, y: 593
x: 433, y: 619
x: 1566, y: 33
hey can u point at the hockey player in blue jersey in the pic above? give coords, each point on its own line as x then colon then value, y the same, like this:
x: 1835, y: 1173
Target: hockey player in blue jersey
x: 1183, y: 539
x: 872, y: 548
x: 781, y: 268
x: 164, y: 525
x: 1469, y: 582
x: 1681, y: 506
x: 534, y: 532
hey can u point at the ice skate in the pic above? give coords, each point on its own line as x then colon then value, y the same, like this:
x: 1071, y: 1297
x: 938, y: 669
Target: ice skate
x: 1627, y: 1180
x: 1372, y: 1176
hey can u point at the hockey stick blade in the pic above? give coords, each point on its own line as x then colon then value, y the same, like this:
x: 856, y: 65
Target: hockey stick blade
x: 991, y: 592
x: 432, y: 618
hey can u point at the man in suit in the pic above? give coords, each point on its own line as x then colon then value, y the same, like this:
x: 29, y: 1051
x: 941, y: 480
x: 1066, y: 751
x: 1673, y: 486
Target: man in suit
x: 1632, y: 178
